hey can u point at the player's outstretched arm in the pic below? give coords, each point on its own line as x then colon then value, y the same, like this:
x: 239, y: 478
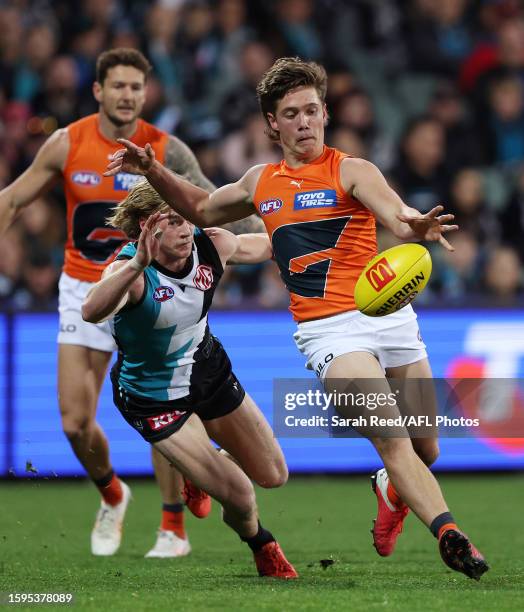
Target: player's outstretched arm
x: 180, y: 159
x: 364, y: 181
x: 229, y: 203
x: 122, y: 281
x: 45, y: 169
x: 242, y: 249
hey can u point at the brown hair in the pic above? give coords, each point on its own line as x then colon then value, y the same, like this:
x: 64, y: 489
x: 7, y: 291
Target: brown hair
x: 122, y: 56
x: 141, y: 202
x: 286, y: 74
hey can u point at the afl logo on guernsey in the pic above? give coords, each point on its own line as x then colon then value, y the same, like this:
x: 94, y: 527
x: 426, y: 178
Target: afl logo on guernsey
x: 86, y: 178
x: 268, y: 206
x: 163, y: 293
x: 203, y: 278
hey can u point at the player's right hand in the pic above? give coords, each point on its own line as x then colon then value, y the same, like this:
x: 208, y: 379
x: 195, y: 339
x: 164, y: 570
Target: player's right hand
x: 133, y: 159
x: 149, y: 241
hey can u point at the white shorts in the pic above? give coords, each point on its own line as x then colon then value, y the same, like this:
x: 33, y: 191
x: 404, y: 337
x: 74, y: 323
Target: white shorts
x: 73, y: 329
x: 393, y: 339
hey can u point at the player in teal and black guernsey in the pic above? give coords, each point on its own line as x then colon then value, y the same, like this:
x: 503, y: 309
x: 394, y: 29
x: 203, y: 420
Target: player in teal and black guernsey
x: 173, y: 381
x: 164, y: 337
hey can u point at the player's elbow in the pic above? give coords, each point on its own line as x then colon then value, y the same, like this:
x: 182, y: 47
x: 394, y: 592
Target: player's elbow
x: 203, y: 216
x: 89, y: 313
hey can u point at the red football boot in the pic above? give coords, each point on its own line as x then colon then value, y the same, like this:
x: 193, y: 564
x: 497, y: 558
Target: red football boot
x: 272, y: 563
x: 460, y: 555
x: 390, y: 519
x: 198, y: 501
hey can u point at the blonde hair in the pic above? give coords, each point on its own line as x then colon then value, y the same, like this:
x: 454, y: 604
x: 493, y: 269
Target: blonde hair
x: 141, y: 202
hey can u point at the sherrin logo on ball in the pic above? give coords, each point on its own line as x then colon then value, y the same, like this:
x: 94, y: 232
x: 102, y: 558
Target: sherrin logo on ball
x: 392, y: 279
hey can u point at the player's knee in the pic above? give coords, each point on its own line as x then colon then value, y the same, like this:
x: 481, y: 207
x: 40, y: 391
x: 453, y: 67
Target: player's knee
x: 429, y: 453
x: 391, y: 449
x: 275, y: 477
x: 75, y: 428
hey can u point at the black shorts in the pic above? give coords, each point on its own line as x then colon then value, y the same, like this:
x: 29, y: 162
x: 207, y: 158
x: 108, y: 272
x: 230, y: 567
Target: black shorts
x: 215, y: 392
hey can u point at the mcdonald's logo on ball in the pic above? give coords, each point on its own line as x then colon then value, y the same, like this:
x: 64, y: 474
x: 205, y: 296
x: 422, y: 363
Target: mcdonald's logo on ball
x: 393, y: 279
x: 380, y: 274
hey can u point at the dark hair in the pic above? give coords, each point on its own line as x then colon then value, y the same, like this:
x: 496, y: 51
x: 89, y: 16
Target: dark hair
x: 286, y: 74
x: 122, y: 56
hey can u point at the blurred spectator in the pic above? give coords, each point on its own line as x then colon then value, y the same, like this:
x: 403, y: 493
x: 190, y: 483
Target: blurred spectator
x: 467, y: 203
x: 11, y: 37
x: 508, y: 58
x: 464, y: 146
x: 233, y: 32
x: 40, y: 284
x: 355, y: 112
x: 159, y: 42
x: 247, y: 147
x: 457, y: 274
x: 197, y: 57
x: 14, y: 118
x: 341, y: 82
x: 503, y: 277
x: 210, y: 160
x: 160, y: 108
x: 505, y: 124
x: 241, y: 101
x: 512, y: 218
x: 347, y: 141
x: 58, y: 98
x: 439, y: 35
x: 43, y: 227
x: 420, y: 175
x: 297, y: 25
x: 40, y: 44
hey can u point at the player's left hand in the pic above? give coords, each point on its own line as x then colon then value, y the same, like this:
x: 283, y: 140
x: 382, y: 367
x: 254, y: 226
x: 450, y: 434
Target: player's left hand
x: 133, y: 159
x: 431, y: 226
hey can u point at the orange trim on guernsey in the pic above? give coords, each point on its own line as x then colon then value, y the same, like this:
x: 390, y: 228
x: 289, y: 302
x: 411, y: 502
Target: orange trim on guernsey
x: 322, y: 238
x: 91, y: 244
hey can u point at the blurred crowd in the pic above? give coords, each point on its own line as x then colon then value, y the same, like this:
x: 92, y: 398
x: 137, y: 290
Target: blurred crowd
x: 432, y: 91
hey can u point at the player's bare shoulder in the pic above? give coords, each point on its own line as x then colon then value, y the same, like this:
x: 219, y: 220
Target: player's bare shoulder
x: 224, y: 241
x: 55, y: 150
x: 250, y: 179
x: 353, y: 170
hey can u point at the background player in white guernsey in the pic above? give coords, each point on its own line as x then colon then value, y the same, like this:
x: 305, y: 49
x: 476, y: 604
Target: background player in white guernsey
x: 319, y: 207
x: 78, y: 155
x: 173, y: 381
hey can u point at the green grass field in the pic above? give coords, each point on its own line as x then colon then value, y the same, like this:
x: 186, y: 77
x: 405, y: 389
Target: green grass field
x: 44, y: 547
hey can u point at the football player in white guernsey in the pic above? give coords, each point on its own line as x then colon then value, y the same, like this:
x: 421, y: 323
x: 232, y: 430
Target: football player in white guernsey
x: 173, y: 382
